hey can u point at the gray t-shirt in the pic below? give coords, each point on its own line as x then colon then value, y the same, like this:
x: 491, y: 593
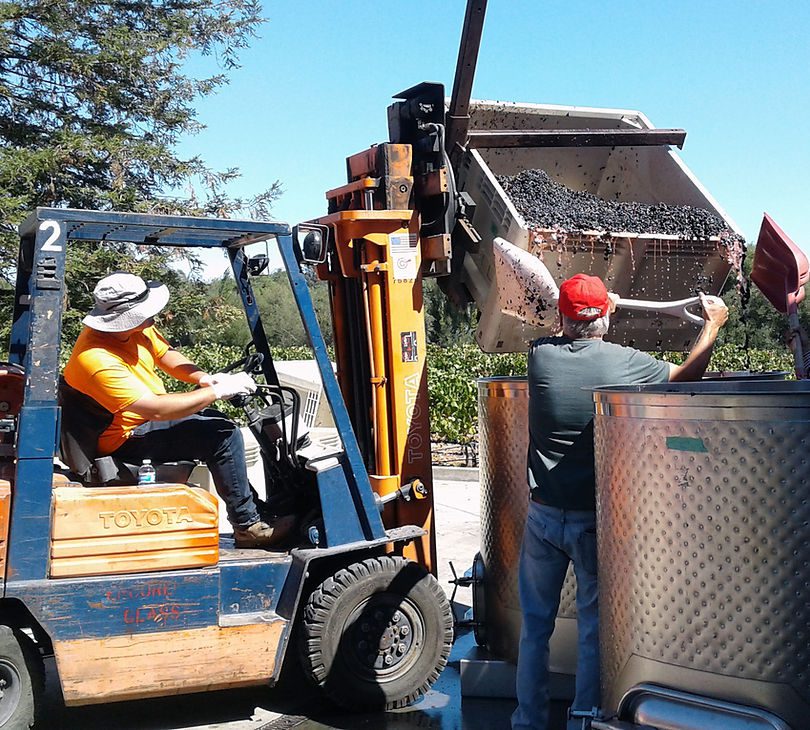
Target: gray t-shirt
x: 561, y: 453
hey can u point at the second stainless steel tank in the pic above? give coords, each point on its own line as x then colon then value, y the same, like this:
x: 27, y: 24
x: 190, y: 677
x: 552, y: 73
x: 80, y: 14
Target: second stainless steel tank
x: 503, y: 444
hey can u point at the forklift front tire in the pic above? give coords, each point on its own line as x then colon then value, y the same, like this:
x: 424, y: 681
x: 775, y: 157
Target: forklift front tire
x: 377, y: 634
x: 21, y: 680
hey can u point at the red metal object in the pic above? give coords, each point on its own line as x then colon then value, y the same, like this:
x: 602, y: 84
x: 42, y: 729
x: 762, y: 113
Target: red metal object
x: 780, y: 267
x: 780, y: 271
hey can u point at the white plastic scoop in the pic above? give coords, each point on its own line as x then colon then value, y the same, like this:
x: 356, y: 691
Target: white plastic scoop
x: 677, y: 308
x: 527, y: 290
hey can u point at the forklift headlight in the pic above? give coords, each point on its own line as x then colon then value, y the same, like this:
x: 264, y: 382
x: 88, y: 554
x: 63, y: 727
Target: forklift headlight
x: 311, y: 241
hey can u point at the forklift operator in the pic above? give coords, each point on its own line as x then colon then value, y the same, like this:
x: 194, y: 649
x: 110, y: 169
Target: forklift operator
x: 114, y: 362
x: 561, y: 522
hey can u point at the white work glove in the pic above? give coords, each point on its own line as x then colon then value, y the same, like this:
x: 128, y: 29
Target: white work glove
x: 228, y: 385
x: 211, y: 378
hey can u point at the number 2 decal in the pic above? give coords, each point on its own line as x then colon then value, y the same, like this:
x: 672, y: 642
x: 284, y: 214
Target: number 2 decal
x: 51, y: 244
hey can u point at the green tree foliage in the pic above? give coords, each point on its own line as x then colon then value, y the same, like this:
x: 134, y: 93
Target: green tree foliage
x: 453, y: 372
x: 192, y: 316
x: 446, y: 323
x: 452, y: 388
x: 758, y: 324
x: 93, y: 99
x: 280, y: 315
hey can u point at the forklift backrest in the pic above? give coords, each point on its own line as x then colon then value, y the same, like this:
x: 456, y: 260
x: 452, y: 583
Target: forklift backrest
x: 83, y: 421
x: 12, y: 388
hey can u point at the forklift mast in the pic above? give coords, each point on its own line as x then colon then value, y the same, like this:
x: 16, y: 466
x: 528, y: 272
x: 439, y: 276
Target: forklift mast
x: 374, y: 266
x: 397, y: 220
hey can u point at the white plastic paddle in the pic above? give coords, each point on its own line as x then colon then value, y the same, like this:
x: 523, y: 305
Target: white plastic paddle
x: 526, y: 289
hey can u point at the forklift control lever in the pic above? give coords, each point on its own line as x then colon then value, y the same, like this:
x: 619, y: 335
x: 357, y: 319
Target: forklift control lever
x: 414, y: 489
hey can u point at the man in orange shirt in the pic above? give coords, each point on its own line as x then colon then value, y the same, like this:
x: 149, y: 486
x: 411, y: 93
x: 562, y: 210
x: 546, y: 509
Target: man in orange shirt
x: 114, y: 362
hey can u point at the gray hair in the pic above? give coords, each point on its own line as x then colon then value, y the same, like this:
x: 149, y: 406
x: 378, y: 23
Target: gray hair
x: 585, y: 329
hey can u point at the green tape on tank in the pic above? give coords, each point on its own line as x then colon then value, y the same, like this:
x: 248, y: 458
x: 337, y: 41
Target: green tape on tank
x: 686, y: 443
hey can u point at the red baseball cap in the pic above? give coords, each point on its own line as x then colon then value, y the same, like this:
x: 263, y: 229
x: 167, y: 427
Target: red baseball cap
x: 583, y: 298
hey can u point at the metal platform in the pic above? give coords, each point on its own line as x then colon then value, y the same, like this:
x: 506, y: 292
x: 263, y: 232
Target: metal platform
x: 485, y: 676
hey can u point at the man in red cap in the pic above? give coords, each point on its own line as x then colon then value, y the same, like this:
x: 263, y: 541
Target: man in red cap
x: 561, y: 523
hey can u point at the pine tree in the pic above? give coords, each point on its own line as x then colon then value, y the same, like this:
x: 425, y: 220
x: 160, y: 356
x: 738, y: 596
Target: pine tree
x: 94, y: 97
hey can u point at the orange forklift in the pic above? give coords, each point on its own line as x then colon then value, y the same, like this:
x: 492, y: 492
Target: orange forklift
x: 132, y: 589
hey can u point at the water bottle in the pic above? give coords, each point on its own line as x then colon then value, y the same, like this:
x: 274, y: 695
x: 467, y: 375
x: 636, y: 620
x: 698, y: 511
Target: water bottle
x: 146, y: 474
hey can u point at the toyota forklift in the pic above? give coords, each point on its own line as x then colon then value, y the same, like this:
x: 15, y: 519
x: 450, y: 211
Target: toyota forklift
x: 133, y: 590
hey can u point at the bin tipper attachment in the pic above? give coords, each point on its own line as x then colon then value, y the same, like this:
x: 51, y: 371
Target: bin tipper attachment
x: 402, y: 217
x: 391, y: 225
x: 429, y: 203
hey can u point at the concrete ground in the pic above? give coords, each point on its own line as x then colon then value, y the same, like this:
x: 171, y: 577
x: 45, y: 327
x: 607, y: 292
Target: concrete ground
x: 287, y: 707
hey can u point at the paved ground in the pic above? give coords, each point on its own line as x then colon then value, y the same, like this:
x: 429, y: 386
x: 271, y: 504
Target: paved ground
x: 457, y: 505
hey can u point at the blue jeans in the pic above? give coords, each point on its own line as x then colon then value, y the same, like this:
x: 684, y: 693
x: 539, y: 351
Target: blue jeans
x: 553, y: 537
x: 206, y: 436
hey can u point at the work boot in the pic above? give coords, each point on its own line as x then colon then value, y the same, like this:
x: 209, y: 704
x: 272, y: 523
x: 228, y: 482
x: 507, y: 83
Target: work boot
x: 264, y: 534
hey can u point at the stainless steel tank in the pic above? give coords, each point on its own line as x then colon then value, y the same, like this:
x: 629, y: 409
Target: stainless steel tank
x: 503, y: 405
x: 704, y: 568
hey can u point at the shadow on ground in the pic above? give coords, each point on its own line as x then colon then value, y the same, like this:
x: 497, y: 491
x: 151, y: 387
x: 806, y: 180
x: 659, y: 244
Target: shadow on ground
x: 293, y: 705
x: 441, y: 709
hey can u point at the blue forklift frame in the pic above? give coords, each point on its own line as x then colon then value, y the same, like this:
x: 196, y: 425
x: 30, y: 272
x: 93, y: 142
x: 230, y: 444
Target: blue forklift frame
x: 233, y: 592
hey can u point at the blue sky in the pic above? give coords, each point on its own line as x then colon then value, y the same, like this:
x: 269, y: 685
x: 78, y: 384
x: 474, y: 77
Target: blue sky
x: 314, y: 87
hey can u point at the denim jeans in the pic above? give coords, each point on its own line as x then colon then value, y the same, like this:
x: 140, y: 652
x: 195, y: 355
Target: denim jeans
x: 552, y: 538
x: 206, y: 436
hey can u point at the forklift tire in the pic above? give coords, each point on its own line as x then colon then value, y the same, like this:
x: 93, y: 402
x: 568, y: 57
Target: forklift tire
x: 376, y: 635
x: 22, y: 680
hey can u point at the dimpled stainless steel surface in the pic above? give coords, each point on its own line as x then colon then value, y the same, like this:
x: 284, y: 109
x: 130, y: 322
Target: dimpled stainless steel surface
x: 703, y: 512
x: 503, y: 445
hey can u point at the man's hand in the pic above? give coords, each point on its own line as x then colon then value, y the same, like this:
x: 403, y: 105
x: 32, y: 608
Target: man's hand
x: 228, y: 385
x: 715, y: 314
x: 715, y: 311
x: 612, y: 300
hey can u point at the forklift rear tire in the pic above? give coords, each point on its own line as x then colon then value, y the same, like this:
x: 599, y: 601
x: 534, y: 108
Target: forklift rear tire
x: 377, y: 634
x: 21, y: 680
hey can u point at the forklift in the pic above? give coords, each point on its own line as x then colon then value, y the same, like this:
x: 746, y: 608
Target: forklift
x: 133, y: 590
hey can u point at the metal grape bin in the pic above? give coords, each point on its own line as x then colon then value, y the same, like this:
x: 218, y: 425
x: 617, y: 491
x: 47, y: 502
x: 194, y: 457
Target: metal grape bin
x: 659, y: 267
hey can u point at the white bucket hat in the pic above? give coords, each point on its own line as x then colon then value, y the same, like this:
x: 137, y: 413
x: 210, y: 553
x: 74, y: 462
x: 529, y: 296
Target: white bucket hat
x: 125, y: 301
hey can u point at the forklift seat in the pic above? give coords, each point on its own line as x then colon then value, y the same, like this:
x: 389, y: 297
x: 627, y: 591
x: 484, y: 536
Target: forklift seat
x: 83, y: 421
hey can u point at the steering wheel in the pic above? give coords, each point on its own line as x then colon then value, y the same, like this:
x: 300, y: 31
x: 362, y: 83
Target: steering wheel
x: 282, y: 396
x: 250, y: 363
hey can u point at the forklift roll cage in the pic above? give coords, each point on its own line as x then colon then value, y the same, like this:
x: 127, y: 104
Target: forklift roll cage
x: 350, y: 513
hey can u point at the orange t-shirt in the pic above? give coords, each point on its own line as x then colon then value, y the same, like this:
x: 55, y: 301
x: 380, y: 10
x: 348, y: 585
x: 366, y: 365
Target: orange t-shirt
x: 115, y: 374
